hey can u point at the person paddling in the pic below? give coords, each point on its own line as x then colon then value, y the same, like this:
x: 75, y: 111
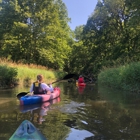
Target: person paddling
x: 81, y: 79
x: 39, y: 87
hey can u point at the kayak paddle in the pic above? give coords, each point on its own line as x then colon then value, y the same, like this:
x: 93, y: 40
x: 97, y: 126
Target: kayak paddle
x: 68, y: 76
x: 21, y: 94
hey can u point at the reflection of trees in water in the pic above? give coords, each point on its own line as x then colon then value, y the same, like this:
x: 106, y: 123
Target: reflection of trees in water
x: 54, y: 127
x: 109, y: 120
x: 51, y: 127
x: 103, y: 114
x: 103, y: 118
x: 73, y: 92
x: 123, y: 98
x: 100, y: 117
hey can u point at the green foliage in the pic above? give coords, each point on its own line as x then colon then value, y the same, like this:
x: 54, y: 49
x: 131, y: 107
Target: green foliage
x: 78, y: 32
x: 131, y: 77
x: 12, y: 74
x: 35, y: 32
x: 125, y: 77
x: 25, y: 73
x: 109, y: 38
x: 8, y: 75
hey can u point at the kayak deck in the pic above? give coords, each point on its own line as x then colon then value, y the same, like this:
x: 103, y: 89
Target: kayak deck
x: 27, y: 108
x: 39, y: 98
x: 27, y: 131
x: 80, y: 84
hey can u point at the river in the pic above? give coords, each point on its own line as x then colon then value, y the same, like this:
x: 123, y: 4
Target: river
x: 92, y: 113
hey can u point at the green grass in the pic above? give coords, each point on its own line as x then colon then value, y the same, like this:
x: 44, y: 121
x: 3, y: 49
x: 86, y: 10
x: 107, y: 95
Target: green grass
x: 27, y: 73
x: 125, y: 77
x: 33, y: 72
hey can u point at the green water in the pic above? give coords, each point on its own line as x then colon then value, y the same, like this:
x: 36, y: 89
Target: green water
x: 91, y: 113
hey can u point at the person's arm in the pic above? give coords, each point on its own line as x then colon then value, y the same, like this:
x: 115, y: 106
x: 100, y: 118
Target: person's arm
x: 31, y: 88
x: 46, y: 87
x: 51, y: 87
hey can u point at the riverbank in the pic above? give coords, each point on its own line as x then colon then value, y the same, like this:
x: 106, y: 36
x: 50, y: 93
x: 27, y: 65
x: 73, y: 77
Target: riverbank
x: 125, y: 77
x: 12, y: 74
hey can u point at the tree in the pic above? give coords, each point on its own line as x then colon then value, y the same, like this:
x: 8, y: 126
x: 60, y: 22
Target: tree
x: 35, y: 32
x: 78, y: 32
x: 108, y: 35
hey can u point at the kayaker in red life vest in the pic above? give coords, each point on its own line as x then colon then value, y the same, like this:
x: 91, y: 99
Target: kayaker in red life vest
x: 39, y: 87
x: 81, y: 79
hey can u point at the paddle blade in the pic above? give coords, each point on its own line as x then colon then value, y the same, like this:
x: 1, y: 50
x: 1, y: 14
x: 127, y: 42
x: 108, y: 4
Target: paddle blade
x: 22, y: 94
x: 68, y: 76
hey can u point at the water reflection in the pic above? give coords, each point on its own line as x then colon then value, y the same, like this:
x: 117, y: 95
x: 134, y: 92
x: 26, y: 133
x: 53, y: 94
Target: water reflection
x: 71, y: 107
x: 38, y: 111
x: 97, y: 113
x: 79, y: 135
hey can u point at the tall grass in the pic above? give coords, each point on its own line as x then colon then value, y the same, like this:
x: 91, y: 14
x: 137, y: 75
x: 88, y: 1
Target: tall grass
x: 125, y: 77
x: 25, y: 74
x: 31, y: 73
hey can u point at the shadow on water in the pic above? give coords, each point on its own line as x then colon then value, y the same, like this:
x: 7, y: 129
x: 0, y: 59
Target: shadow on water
x: 95, y: 112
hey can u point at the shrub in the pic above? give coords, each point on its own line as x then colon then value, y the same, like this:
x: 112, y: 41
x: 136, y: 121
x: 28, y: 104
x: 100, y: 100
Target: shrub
x: 7, y: 76
x: 125, y: 77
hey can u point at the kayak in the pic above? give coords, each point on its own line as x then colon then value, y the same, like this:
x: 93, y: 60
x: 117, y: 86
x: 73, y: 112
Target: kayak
x: 81, y: 89
x: 27, y: 131
x: 39, y: 98
x: 27, y: 108
x: 81, y: 84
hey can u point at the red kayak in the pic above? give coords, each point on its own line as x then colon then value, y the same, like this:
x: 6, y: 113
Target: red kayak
x: 81, y: 84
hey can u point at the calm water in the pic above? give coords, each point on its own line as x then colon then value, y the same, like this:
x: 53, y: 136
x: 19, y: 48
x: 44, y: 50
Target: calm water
x: 93, y: 113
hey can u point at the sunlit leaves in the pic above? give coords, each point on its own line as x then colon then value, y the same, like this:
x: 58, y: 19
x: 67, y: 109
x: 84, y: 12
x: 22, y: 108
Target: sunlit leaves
x: 39, y: 28
x: 109, y: 34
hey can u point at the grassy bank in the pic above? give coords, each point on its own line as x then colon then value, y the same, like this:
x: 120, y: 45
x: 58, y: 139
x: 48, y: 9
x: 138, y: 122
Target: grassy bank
x: 125, y: 77
x: 12, y: 73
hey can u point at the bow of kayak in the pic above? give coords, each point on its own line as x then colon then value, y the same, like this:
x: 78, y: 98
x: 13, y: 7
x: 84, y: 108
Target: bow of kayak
x: 27, y: 131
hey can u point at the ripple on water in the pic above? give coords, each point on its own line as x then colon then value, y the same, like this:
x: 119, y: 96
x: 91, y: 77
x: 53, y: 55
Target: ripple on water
x: 71, y: 107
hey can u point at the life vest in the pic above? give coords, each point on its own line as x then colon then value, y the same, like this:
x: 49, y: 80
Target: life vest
x: 37, y: 88
x: 81, y: 80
